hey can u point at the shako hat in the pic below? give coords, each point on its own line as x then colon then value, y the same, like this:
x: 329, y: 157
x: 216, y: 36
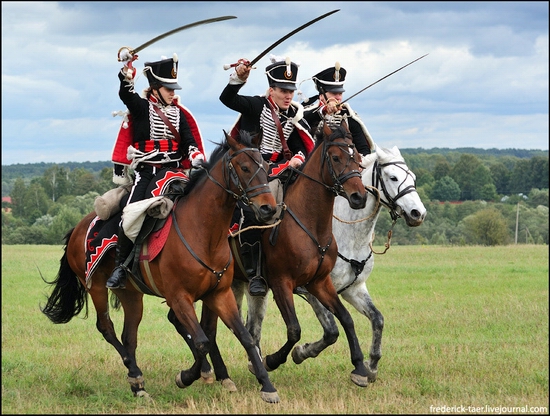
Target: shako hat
x: 331, y: 79
x: 163, y: 73
x: 282, y: 73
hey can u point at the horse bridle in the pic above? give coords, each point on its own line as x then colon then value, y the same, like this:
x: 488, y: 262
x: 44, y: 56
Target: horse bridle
x: 338, y: 181
x: 391, y: 203
x: 231, y: 176
x: 337, y: 188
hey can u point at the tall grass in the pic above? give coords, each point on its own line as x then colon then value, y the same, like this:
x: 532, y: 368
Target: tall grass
x: 464, y: 326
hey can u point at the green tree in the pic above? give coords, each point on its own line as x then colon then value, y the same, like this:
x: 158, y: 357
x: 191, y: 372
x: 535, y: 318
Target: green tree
x: 501, y: 177
x: 55, y: 182
x: 442, y: 169
x: 538, y: 197
x: 487, y: 227
x: 446, y: 189
x: 82, y: 181
x: 463, y: 173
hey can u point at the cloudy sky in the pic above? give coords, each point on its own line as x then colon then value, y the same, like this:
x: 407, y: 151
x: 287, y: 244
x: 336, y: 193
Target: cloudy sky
x: 484, y: 83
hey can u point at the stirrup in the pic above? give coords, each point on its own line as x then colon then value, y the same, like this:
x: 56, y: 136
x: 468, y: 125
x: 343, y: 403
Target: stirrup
x: 257, y: 286
x: 117, y: 279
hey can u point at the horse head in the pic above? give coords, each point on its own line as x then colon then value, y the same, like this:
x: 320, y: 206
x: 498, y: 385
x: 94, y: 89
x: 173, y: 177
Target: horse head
x: 344, y: 165
x: 246, y: 175
x: 396, y: 184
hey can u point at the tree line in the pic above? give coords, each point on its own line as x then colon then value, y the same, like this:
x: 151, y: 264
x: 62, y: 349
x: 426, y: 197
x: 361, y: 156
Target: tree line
x: 490, y: 198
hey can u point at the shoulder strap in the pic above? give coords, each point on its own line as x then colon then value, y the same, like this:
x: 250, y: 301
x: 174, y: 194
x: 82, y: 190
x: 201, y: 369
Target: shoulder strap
x: 286, y: 151
x: 167, y: 122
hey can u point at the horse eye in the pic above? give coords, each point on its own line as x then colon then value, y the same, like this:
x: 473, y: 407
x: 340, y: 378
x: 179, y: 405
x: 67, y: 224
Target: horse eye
x: 245, y: 168
x: 393, y: 178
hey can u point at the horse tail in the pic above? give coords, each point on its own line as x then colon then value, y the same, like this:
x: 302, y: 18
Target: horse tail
x: 69, y: 296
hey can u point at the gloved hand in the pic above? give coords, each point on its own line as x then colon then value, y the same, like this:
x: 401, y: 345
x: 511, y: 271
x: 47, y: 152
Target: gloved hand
x: 124, y: 55
x: 196, y: 157
x: 297, y: 160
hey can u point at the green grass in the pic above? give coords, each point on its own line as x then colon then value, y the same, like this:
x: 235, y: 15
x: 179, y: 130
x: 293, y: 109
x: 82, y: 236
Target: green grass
x: 464, y: 326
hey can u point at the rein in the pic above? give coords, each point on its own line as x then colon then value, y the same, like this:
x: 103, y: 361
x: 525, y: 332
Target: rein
x: 229, y: 174
x: 391, y: 203
x: 337, y: 189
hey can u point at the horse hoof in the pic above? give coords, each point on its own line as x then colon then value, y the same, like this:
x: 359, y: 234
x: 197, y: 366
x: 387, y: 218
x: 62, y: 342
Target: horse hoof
x: 180, y: 383
x: 229, y: 385
x: 371, y: 374
x: 142, y: 393
x: 270, y: 397
x: 207, y: 376
x: 297, y: 354
x: 361, y: 381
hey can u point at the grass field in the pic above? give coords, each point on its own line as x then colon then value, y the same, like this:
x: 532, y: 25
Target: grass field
x: 464, y: 327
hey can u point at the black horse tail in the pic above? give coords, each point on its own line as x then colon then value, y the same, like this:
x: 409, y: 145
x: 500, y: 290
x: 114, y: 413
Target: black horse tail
x: 69, y: 296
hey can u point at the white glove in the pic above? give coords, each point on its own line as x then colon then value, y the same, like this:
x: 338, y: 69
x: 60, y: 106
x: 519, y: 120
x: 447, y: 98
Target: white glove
x: 125, y: 55
x: 297, y: 160
x: 196, y: 157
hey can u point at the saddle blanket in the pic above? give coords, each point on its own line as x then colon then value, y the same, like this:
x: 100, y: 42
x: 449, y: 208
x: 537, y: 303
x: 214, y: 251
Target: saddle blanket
x: 102, y: 236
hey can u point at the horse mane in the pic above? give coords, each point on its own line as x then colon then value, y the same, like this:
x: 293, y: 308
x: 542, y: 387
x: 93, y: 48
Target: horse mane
x: 199, y: 175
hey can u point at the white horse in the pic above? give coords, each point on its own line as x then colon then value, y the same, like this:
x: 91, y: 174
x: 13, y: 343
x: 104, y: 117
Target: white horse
x: 393, y: 186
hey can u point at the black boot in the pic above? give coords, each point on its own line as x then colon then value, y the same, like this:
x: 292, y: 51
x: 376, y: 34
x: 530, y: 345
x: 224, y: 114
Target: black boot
x: 251, y: 256
x: 123, y: 250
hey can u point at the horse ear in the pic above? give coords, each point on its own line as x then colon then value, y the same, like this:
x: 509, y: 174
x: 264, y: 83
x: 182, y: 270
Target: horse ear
x: 257, y: 139
x: 231, y: 141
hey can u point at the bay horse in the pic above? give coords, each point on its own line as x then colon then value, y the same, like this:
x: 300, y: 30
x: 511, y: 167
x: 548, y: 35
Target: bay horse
x: 301, y: 250
x: 194, y: 264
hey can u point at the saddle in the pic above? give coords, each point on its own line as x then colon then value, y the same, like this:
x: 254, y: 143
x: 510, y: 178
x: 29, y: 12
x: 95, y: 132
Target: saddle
x: 152, y: 232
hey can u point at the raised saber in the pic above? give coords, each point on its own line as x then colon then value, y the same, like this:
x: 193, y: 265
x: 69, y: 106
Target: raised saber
x: 171, y: 32
x: 368, y: 86
x: 271, y: 47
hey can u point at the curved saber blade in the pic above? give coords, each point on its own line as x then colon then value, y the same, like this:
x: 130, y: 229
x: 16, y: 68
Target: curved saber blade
x: 171, y: 32
x: 391, y: 73
x: 260, y: 56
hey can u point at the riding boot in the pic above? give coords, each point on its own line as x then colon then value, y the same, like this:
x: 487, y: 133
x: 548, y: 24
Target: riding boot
x: 251, y: 256
x: 123, y: 250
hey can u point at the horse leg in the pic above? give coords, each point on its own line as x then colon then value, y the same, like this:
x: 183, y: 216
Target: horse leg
x: 133, y: 310
x: 209, y: 322
x: 359, y: 297
x: 132, y: 304
x: 206, y: 369
x: 239, y: 288
x: 330, y: 333
x: 184, y: 314
x: 223, y: 304
x: 323, y: 290
x: 285, y: 302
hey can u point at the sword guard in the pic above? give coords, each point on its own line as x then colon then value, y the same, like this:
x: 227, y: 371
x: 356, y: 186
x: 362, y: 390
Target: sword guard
x: 239, y: 62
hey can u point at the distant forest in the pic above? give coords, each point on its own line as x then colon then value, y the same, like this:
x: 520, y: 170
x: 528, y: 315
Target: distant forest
x: 473, y: 196
x: 28, y: 171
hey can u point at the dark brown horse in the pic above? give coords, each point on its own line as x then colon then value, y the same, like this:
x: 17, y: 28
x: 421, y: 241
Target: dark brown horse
x: 301, y: 250
x: 195, y: 264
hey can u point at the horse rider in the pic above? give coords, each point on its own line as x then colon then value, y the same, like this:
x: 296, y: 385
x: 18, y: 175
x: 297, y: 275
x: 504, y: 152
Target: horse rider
x: 286, y: 142
x: 325, y: 107
x: 158, y: 133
